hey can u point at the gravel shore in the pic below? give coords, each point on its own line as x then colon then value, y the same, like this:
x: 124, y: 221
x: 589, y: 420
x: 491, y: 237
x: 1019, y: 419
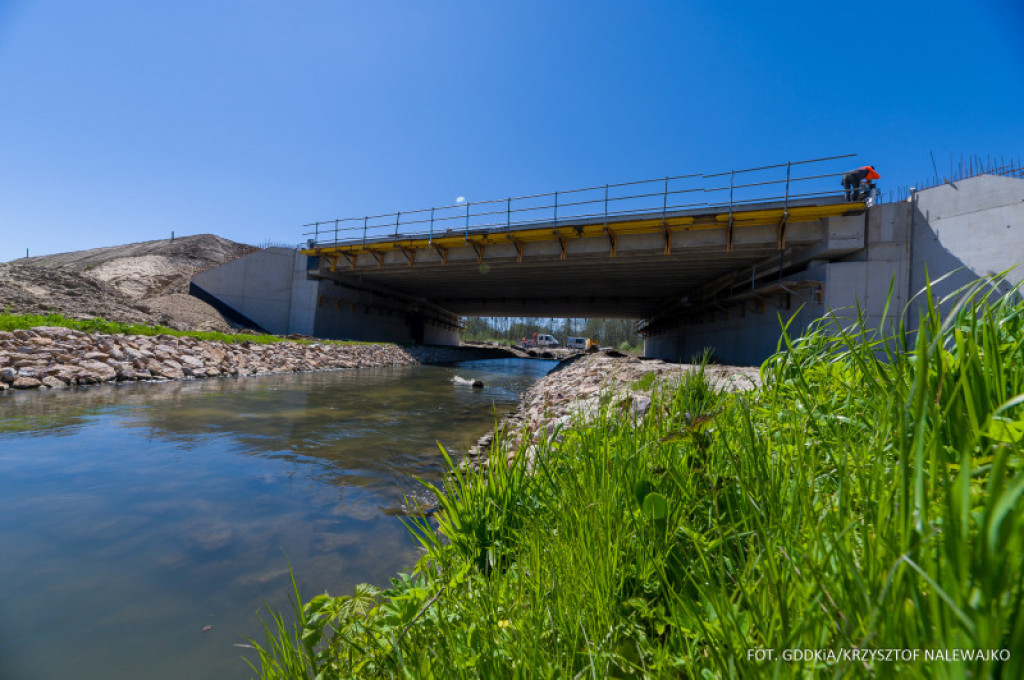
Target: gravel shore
x: 57, y: 357
x: 576, y: 387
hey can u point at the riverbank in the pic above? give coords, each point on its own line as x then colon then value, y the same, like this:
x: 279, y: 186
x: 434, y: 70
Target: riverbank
x: 59, y: 357
x: 861, y: 500
x: 575, y: 389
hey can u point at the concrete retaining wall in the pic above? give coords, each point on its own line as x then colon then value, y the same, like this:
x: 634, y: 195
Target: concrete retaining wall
x: 269, y: 287
x: 972, y: 228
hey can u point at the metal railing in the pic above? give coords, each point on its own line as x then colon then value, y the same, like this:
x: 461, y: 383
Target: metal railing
x: 664, y: 196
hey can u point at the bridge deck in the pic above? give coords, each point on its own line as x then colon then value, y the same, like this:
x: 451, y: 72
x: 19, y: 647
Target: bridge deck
x: 610, y: 228
x: 627, y: 267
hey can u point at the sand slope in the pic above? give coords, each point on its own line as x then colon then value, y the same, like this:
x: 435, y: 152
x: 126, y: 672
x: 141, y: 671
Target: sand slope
x: 140, y: 282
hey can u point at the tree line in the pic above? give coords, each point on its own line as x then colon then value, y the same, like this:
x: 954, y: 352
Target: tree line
x: 608, y: 332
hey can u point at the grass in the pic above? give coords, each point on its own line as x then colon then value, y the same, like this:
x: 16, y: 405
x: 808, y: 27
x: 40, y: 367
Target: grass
x: 10, y: 322
x: 644, y: 382
x: 868, y: 497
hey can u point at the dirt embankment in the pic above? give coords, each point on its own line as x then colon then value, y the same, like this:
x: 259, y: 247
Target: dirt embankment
x: 135, y: 283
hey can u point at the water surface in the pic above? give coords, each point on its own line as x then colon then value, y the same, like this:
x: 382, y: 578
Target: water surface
x: 143, y: 527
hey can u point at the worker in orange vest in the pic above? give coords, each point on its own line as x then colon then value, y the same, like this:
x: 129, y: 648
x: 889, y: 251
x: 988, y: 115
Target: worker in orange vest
x: 854, y: 178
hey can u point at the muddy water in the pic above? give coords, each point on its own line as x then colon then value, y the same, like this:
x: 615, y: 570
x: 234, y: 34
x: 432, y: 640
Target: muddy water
x: 144, y: 527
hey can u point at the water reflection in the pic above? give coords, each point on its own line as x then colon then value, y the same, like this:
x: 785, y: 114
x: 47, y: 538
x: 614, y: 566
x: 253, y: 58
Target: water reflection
x: 135, y: 516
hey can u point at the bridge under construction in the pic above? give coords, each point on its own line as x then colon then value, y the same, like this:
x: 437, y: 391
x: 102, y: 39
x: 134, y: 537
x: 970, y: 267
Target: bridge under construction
x: 697, y: 260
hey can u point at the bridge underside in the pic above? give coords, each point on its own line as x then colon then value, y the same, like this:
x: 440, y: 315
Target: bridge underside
x: 628, y: 267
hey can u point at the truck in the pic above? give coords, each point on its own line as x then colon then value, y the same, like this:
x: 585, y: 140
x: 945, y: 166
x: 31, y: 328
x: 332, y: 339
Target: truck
x: 580, y: 344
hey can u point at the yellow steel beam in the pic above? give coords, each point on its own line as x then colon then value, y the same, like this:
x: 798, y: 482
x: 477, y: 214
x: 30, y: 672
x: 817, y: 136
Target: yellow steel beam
x: 740, y: 218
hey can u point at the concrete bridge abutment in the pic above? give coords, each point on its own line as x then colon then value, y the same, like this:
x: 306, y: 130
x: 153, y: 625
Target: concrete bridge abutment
x: 272, y: 290
x: 958, y: 233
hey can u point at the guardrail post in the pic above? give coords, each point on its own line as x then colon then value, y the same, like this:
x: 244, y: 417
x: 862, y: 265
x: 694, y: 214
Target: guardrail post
x: 786, y: 202
x: 785, y: 211
x: 316, y: 233
x: 467, y: 222
x: 335, y: 231
x: 728, y: 244
x: 606, y: 207
x: 664, y: 220
x: 398, y: 216
x: 431, y: 225
x: 556, y: 211
x: 364, y: 230
x: 508, y: 217
x: 664, y: 203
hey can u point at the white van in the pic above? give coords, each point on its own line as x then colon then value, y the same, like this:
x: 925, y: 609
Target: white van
x: 576, y: 343
x: 540, y: 340
x: 546, y: 341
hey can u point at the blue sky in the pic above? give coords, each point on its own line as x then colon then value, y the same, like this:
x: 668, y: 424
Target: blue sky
x: 121, y: 121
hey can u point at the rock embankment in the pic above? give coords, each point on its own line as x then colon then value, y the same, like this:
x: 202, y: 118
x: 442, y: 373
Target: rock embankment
x: 51, y: 356
x: 576, y: 387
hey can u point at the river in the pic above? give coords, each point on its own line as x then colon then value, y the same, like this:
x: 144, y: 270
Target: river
x: 144, y: 527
